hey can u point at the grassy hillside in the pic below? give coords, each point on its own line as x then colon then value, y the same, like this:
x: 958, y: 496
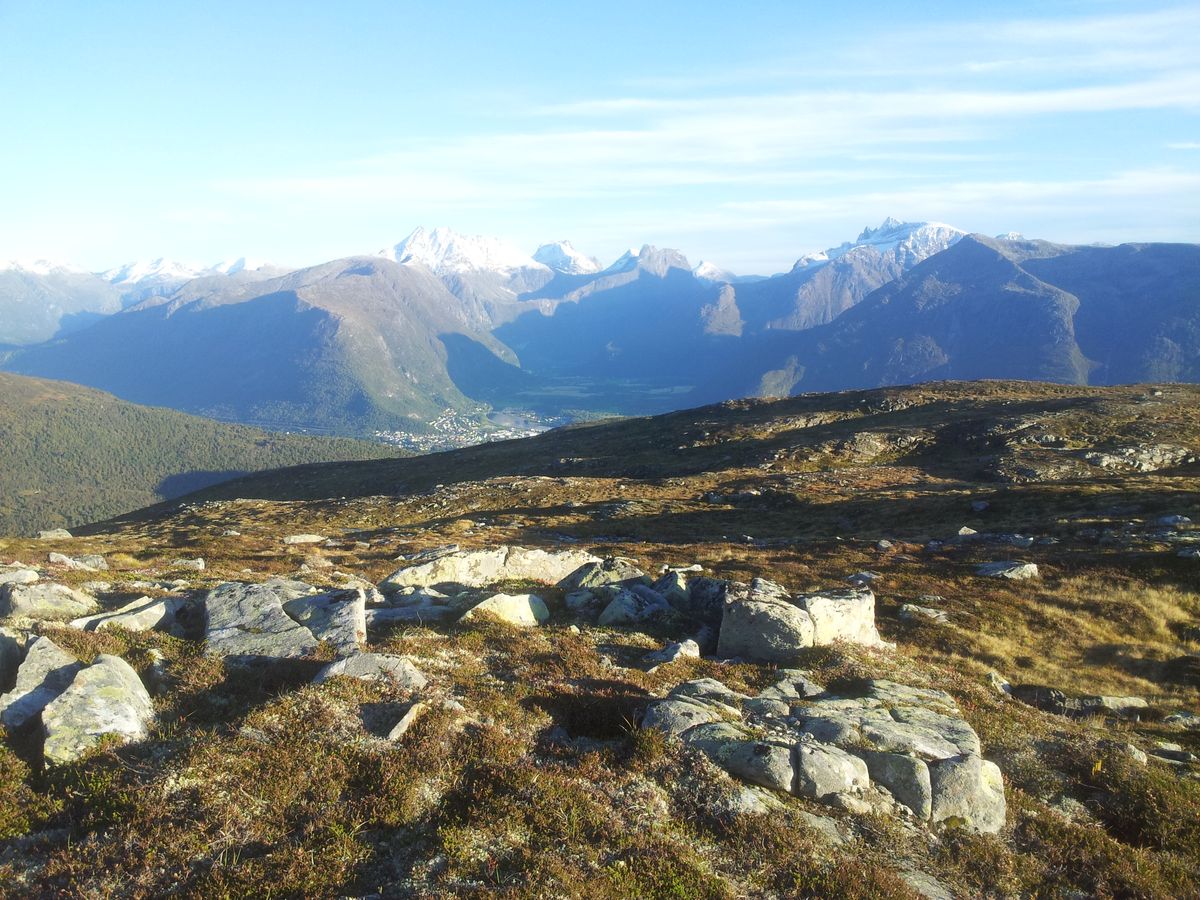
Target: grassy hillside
x: 73, y: 454
x: 531, y: 774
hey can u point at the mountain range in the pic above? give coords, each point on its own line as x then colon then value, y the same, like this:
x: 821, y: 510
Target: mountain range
x: 444, y: 321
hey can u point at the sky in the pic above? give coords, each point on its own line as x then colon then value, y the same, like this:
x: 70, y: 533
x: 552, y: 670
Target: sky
x: 297, y: 132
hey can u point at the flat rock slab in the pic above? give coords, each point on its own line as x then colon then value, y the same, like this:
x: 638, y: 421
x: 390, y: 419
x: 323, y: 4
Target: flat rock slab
x: 479, y: 568
x: 106, y: 699
x: 339, y: 617
x: 142, y: 614
x: 10, y: 575
x: 1013, y: 571
x: 376, y: 667
x: 45, y: 673
x: 293, y: 539
x: 44, y: 600
x: 521, y: 610
x: 246, y: 622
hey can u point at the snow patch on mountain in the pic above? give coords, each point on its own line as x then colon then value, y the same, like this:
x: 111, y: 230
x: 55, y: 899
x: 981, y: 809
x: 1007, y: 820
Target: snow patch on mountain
x: 41, y: 267
x: 446, y: 251
x: 561, y: 256
x: 907, y: 242
x: 157, y: 270
x: 707, y: 271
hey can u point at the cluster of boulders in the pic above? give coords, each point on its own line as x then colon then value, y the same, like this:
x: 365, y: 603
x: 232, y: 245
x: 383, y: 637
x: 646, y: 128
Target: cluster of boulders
x: 885, y: 747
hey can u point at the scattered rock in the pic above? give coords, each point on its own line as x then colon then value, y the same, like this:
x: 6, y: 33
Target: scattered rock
x: 376, y: 667
x: 12, y: 648
x: 688, y: 649
x: 522, y: 610
x: 305, y: 539
x: 823, y: 770
x: 614, y: 570
x: 842, y: 616
x: 910, y: 612
x: 17, y: 575
x: 632, y: 606
x: 105, y: 699
x: 479, y: 568
x: 195, y: 565
x: 980, y: 506
x: 760, y: 622
x: 1014, y: 571
x: 142, y: 614
x: 90, y: 563
x: 407, y: 720
x: 43, y: 600
x: 54, y: 534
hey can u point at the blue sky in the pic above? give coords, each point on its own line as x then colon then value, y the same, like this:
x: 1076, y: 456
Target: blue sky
x: 300, y: 131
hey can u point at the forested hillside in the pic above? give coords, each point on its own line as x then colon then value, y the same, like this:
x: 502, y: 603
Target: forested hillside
x: 72, y: 454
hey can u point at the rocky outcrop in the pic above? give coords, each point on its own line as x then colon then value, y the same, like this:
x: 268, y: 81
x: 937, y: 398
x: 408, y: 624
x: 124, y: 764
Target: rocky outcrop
x: 1012, y: 571
x: 763, y: 621
x: 886, y: 746
x: 456, y: 568
x: 246, y: 623
x: 105, y: 700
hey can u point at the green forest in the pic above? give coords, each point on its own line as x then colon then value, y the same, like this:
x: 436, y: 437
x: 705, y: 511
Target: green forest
x: 71, y: 455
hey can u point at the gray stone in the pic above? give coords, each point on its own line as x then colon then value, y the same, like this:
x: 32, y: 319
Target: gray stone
x: 142, y: 614
x: 246, y: 623
x: 293, y: 539
x: 631, y: 607
x: 675, y: 716
x: 905, y: 777
x: 842, y: 616
x: 822, y: 770
x: 614, y: 570
x: 688, y: 649
x: 479, y: 568
x: 407, y: 615
x: 17, y: 575
x: 968, y: 790
x: 764, y: 763
x: 12, y: 648
x: 82, y: 564
x: 910, y: 612
x: 522, y: 610
x: 1013, y: 571
x: 760, y: 622
x: 673, y: 586
x: 795, y: 684
x: 581, y: 601
x: 375, y: 667
x: 407, y: 721
x: 45, y: 673
x: 43, y: 600
x: 106, y: 699
x: 54, y: 534
x: 195, y: 565
x: 339, y: 617
x: 706, y: 599
x: 712, y: 692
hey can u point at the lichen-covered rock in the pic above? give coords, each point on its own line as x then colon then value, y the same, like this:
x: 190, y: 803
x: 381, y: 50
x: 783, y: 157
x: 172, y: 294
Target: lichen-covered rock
x: 479, y: 568
x: 339, y: 617
x: 969, y: 790
x: 760, y: 622
x: 246, y: 624
x: 765, y: 763
x: 522, y: 610
x: 43, y: 600
x: 376, y: 667
x: 296, y: 539
x: 17, y: 575
x: 142, y: 614
x: 674, y: 716
x: 905, y: 777
x: 105, y: 699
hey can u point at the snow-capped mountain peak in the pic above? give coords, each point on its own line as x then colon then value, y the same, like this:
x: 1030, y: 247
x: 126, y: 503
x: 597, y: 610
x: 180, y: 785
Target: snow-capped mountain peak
x: 907, y: 242
x: 445, y: 251
x: 241, y: 264
x: 40, y: 267
x: 152, y: 270
x: 707, y: 271
x: 650, y: 258
x: 561, y: 256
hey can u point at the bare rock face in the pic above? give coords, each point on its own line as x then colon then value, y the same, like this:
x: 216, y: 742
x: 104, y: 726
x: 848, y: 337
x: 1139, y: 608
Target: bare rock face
x: 105, y: 699
x: 45, y: 673
x: 43, y: 600
x: 375, y: 667
x: 842, y: 616
x: 479, y: 568
x: 246, y: 623
x: 906, y: 746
